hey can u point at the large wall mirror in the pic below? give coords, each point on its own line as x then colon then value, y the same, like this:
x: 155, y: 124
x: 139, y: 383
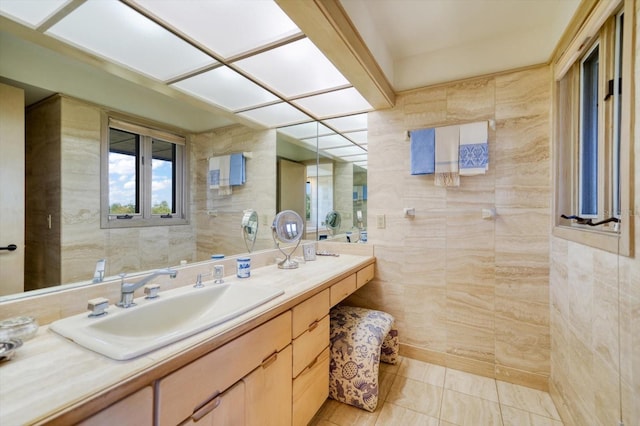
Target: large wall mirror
x: 324, y: 163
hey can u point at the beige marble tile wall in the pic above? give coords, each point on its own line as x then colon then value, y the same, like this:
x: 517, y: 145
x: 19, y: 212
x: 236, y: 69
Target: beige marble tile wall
x: 468, y: 293
x: 217, y: 218
x: 343, y: 193
x: 595, y: 320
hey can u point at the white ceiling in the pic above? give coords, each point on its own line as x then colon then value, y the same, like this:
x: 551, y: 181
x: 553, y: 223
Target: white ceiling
x: 423, y: 42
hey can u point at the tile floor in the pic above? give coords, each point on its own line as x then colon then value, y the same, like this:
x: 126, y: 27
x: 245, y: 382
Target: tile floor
x: 418, y: 393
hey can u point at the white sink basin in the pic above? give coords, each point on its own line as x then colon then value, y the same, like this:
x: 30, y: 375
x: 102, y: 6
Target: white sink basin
x: 127, y: 333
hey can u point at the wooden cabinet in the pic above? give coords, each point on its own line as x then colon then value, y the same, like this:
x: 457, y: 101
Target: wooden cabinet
x: 268, y: 392
x: 342, y: 289
x: 184, y: 392
x: 311, y: 389
x: 134, y: 410
x: 310, y: 371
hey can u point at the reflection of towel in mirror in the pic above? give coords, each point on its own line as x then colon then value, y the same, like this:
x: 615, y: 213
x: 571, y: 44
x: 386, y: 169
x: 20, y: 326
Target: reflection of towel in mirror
x: 219, y: 174
x: 447, y: 145
x: 236, y: 170
x: 422, y: 151
x: 474, y: 149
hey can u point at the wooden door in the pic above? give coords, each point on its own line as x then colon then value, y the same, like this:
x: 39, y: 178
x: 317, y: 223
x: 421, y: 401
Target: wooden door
x: 12, y: 169
x: 292, y: 184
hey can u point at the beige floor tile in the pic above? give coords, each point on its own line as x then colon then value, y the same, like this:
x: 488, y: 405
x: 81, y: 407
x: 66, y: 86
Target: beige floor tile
x: 466, y: 410
x: 422, y: 371
x: 415, y: 395
x: 385, y: 381
x: 390, y: 368
x: 445, y: 423
x: 394, y: 415
x: 516, y: 417
x: 337, y: 413
x: 527, y: 399
x: 471, y: 384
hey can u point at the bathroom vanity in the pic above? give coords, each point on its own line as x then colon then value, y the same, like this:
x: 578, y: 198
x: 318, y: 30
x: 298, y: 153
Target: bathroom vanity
x: 269, y: 366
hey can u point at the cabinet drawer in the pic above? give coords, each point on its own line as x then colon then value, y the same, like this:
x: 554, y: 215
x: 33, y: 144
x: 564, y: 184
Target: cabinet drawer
x: 135, y: 410
x: 180, y: 393
x: 226, y: 409
x: 310, y: 390
x: 364, y: 275
x: 342, y: 289
x: 310, y: 344
x: 309, y: 311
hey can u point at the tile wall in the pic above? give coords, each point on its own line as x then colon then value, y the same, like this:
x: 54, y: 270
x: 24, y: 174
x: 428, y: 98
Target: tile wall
x: 595, y: 319
x: 467, y: 293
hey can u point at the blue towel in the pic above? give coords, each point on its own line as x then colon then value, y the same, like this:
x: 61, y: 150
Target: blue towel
x: 237, y: 173
x: 423, y: 151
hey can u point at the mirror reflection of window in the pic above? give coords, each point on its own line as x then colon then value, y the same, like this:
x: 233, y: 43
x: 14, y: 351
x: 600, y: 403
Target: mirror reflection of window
x: 124, y: 172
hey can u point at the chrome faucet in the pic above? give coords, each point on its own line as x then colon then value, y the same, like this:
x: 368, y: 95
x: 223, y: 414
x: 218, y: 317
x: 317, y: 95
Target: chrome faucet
x: 127, y: 289
x: 98, y: 275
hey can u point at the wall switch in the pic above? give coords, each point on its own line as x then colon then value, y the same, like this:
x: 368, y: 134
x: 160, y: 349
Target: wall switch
x: 380, y: 222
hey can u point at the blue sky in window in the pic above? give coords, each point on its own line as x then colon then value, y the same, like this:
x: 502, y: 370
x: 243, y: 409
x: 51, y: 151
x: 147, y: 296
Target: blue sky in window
x: 122, y: 180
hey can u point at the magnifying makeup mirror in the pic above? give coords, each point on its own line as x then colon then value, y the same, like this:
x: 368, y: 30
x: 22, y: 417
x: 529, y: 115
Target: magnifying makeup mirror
x: 333, y: 221
x: 287, y: 228
x: 250, y: 228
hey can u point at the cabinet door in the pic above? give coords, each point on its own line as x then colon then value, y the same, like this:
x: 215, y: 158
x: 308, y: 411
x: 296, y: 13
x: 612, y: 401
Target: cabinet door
x: 183, y: 390
x: 226, y: 409
x: 268, y: 391
x: 135, y: 410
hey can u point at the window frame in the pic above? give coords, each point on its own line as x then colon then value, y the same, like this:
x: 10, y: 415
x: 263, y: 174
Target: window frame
x: 598, y: 26
x: 147, y: 132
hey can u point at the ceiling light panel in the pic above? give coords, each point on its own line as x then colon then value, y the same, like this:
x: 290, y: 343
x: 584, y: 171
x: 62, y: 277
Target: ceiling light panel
x: 227, y: 27
x: 276, y: 115
x: 32, y: 13
x: 333, y: 141
x: 339, y: 102
x: 306, y: 130
x: 348, y: 123
x: 294, y: 69
x: 116, y: 32
x: 354, y: 158
x: 345, y: 151
x: 358, y: 137
x: 224, y: 87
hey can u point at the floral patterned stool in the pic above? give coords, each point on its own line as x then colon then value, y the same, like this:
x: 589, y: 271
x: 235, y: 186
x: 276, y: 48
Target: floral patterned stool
x: 360, y: 339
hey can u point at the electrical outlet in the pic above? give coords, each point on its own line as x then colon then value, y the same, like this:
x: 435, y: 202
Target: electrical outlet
x: 380, y: 222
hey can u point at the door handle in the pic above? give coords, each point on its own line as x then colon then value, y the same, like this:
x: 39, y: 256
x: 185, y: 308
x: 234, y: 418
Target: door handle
x: 10, y: 247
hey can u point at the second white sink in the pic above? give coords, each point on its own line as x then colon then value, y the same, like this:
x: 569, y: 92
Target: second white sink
x: 126, y: 333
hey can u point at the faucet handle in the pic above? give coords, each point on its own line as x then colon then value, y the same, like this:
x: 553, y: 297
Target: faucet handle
x: 198, y: 283
x: 151, y: 291
x: 98, y: 306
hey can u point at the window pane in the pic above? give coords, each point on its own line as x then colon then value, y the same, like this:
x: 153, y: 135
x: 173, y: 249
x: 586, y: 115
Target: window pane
x: 617, y: 117
x: 163, y: 177
x: 589, y: 135
x: 124, y: 173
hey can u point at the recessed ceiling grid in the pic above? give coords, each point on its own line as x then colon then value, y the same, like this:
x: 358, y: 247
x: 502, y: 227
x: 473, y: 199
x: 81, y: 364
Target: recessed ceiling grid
x: 246, y: 57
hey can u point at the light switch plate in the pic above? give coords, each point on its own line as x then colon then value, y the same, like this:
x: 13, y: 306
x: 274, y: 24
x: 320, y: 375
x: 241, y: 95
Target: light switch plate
x: 380, y: 221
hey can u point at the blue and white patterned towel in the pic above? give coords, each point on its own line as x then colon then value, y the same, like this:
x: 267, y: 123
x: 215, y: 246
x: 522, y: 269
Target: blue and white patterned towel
x: 474, y: 149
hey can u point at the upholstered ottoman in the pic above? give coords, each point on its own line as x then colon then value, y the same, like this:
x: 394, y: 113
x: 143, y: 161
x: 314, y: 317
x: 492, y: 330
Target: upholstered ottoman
x: 360, y: 339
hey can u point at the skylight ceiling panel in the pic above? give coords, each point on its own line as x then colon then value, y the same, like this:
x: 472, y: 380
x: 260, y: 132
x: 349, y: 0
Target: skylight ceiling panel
x: 226, y: 27
x: 362, y: 164
x: 308, y: 130
x: 345, y: 151
x: 333, y: 141
x: 339, y: 102
x: 348, y: 123
x: 32, y: 13
x: 358, y: 137
x: 226, y: 88
x: 118, y: 33
x: 294, y: 69
x: 276, y: 115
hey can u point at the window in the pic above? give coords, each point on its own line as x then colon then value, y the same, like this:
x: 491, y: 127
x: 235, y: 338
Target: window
x: 143, y: 176
x: 593, y: 101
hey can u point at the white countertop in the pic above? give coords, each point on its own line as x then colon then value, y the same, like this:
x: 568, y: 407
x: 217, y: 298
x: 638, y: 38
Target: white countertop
x: 50, y: 374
